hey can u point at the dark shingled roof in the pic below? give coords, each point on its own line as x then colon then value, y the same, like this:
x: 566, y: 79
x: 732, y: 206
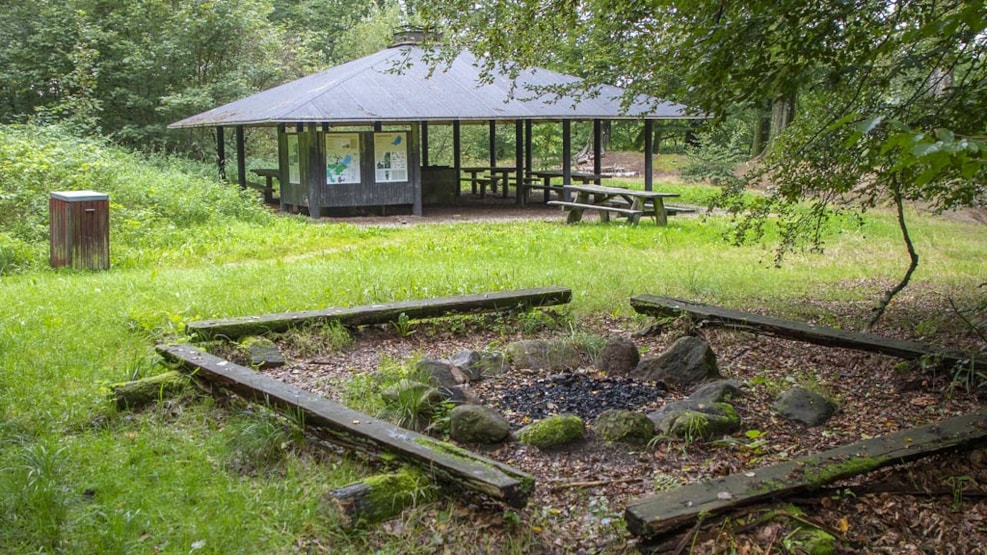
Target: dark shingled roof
x: 394, y: 85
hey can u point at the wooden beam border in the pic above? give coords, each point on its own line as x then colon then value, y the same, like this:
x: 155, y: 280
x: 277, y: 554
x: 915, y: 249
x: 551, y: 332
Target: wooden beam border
x: 446, y: 462
x: 235, y: 328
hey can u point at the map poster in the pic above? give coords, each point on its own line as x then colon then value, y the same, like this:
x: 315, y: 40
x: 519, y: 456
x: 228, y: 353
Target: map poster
x: 391, y: 156
x: 342, y: 158
x: 294, y: 175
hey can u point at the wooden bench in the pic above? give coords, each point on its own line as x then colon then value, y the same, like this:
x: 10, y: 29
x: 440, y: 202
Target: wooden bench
x: 649, y: 208
x: 576, y: 211
x: 673, y: 210
x: 545, y: 189
x: 268, y: 192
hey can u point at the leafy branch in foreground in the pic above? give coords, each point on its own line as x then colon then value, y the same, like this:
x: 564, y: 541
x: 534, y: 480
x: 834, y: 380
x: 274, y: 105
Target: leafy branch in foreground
x: 874, y: 103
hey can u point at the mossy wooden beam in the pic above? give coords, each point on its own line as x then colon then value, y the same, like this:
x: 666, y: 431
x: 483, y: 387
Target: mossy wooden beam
x: 148, y: 390
x: 667, y: 512
x: 831, y: 337
x: 380, y: 497
x: 357, y: 430
x: 235, y: 328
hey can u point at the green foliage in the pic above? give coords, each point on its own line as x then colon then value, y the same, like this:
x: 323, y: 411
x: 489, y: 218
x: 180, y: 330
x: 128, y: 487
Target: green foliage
x: 887, y: 97
x: 721, y: 148
x: 150, y: 202
x: 130, y: 68
x: 403, y: 325
x: 34, y: 509
x: 258, y: 442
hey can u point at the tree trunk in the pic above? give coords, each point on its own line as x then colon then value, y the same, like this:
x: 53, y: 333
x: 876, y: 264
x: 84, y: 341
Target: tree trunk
x: 882, y: 305
x: 782, y: 114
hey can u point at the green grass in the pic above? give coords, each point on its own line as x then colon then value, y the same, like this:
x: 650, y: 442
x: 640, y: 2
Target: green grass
x: 77, y: 476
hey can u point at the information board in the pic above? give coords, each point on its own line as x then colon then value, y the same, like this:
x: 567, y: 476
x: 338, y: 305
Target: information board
x: 342, y: 158
x: 391, y: 156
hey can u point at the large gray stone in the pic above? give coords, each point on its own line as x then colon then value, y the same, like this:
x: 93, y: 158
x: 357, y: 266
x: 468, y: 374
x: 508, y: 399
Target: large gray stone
x: 263, y: 352
x: 624, y: 426
x: 542, y: 355
x: 477, y: 424
x: 805, y: 406
x: 688, y: 361
x: 553, y: 431
x: 693, y: 421
x: 619, y: 356
x: 441, y: 373
x: 480, y: 364
x: 718, y: 391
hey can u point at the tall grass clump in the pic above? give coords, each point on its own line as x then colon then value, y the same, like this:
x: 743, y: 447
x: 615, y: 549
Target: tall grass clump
x: 150, y: 197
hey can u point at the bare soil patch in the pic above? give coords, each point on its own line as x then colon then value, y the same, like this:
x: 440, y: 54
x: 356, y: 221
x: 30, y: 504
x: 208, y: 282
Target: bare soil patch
x: 931, y: 506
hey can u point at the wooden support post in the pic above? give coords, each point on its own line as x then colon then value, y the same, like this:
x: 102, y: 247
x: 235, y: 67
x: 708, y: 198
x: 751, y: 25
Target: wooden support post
x: 241, y: 158
x: 649, y: 145
x: 424, y: 125
x: 457, y: 153
x: 566, y: 157
x: 221, y: 151
x: 235, y: 328
x: 360, y: 431
x: 597, y: 149
x: 415, y: 171
x: 829, y: 337
x: 492, y: 143
x: 670, y: 511
x: 518, y: 161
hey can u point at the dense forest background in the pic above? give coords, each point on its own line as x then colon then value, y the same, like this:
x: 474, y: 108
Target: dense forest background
x: 125, y: 70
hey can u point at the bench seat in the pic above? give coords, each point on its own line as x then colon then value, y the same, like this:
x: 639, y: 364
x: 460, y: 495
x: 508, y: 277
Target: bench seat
x: 598, y: 207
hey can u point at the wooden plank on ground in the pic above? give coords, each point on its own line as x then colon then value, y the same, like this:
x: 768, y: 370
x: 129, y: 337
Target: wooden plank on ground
x: 660, y: 514
x: 830, y: 337
x: 357, y: 430
x: 235, y: 328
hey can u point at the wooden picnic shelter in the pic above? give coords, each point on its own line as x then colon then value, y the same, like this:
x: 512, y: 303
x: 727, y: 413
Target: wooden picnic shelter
x: 356, y: 136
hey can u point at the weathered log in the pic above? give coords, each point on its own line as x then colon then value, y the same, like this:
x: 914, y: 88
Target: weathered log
x: 235, y: 328
x: 141, y: 392
x: 378, y: 498
x: 669, y: 511
x: 830, y: 337
x: 357, y: 430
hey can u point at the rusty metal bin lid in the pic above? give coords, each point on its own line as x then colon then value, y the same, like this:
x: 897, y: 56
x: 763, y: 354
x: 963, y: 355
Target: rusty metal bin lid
x: 78, y: 196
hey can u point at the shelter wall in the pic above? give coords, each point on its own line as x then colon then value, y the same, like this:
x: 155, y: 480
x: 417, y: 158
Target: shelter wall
x: 328, y: 169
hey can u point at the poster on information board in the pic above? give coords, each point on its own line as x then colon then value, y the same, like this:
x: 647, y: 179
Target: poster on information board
x: 294, y: 166
x: 391, y: 156
x: 342, y: 158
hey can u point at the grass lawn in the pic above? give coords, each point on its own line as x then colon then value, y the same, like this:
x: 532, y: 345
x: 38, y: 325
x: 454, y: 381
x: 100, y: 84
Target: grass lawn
x: 196, y: 475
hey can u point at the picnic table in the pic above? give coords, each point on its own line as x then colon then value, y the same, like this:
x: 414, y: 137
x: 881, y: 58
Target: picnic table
x: 497, y: 175
x: 548, y: 175
x: 615, y: 200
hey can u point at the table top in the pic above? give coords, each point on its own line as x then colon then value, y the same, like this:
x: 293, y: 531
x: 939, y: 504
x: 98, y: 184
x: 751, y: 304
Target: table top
x: 267, y: 172
x: 488, y: 169
x: 558, y: 173
x: 614, y: 191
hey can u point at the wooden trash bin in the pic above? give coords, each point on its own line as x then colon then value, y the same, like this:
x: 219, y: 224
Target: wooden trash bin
x: 80, y: 229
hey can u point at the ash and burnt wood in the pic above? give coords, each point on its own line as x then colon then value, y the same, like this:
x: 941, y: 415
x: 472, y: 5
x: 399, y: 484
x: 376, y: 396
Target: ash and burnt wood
x: 667, y: 512
x: 360, y: 431
x: 235, y: 328
x: 830, y: 337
